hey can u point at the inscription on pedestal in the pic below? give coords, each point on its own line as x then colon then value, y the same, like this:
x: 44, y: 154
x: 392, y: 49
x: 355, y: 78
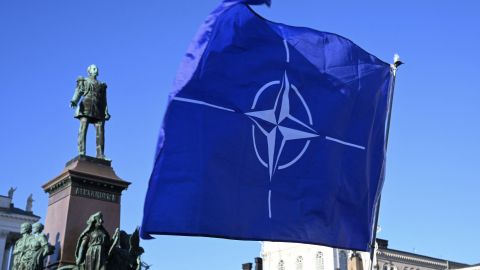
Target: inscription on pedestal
x: 95, y: 194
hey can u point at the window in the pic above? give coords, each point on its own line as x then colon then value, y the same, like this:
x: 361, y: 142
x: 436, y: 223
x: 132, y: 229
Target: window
x: 391, y: 266
x: 299, y: 263
x: 319, y: 261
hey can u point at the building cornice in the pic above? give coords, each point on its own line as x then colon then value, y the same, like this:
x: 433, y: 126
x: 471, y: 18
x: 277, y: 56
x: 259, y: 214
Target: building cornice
x: 411, y: 258
x: 19, y: 217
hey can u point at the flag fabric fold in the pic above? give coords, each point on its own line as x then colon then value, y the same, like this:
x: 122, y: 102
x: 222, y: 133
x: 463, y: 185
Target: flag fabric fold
x: 272, y: 132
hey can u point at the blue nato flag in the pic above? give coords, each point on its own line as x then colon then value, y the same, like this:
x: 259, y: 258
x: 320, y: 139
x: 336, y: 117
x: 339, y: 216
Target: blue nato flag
x: 273, y: 133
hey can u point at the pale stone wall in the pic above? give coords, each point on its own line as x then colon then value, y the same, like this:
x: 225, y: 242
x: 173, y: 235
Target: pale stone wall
x: 286, y: 256
x: 470, y: 268
x: 5, y: 201
x: 299, y: 257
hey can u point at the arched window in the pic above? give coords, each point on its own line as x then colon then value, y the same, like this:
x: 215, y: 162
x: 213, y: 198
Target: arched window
x: 319, y: 261
x: 299, y: 263
x: 343, y: 260
x: 281, y: 265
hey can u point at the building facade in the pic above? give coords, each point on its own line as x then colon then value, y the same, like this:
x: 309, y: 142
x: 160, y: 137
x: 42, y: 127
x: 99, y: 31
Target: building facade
x: 10, y: 220
x: 292, y: 256
x: 392, y: 259
x: 286, y: 256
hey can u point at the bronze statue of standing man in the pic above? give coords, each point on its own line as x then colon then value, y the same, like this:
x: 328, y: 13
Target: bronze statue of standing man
x: 92, y: 109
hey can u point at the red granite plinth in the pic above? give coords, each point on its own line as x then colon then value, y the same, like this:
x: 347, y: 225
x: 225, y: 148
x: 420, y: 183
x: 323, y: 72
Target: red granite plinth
x: 85, y: 186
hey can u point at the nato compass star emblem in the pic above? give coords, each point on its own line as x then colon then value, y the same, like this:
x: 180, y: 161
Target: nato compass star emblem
x: 278, y: 125
x: 275, y: 122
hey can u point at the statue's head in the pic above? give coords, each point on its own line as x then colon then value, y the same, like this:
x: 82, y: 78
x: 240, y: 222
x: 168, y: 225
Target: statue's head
x: 92, y: 70
x: 96, y: 219
x: 26, y: 228
x: 37, y: 227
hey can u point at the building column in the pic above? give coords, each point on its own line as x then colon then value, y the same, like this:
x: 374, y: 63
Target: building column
x: 6, y: 257
x: 336, y: 261
x: 7, y: 264
x: 3, y: 243
x: 10, y: 263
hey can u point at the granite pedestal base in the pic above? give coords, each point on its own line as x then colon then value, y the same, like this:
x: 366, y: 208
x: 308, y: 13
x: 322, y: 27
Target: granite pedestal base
x: 85, y: 186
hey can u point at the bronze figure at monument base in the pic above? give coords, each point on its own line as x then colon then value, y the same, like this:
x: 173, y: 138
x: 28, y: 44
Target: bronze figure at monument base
x: 31, y: 250
x: 96, y: 251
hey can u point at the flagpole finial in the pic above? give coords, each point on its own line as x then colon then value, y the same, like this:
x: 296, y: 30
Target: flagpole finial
x: 396, y: 58
x: 396, y: 61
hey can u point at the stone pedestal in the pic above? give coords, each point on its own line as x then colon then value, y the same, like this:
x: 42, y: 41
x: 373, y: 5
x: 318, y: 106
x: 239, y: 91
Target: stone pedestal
x: 85, y: 186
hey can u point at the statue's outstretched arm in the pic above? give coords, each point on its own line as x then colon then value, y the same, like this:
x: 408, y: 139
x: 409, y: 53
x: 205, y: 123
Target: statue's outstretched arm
x: 115, y: 239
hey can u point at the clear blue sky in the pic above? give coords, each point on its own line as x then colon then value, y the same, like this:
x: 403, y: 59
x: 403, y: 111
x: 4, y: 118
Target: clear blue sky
x: 430, y: 199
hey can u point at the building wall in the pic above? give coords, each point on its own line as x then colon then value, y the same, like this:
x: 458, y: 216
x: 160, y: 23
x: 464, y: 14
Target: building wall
x: 388, y: 259
x: 291, y: 256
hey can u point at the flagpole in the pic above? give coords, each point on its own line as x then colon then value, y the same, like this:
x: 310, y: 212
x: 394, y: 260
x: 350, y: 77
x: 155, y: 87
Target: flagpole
x: 394, y: 67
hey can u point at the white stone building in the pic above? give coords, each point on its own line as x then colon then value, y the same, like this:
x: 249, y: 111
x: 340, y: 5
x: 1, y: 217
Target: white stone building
x: 286, y: 256
x: 291, y: 256
x: 10, y: 220
x: 474, y: 267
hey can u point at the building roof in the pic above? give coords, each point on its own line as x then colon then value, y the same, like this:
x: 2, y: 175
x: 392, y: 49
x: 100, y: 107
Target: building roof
x: 409, y: 256
x: 17, y: 211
